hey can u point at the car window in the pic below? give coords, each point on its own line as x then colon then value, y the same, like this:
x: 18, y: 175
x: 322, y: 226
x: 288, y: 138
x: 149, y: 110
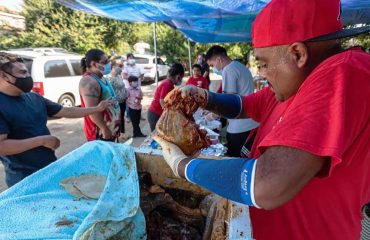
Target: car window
x: 159, y: 61
x: 140, y: 60
x: 56, y: 68
x: 76, y: 65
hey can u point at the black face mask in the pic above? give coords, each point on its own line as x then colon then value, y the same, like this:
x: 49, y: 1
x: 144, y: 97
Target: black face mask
x: 24, y: 84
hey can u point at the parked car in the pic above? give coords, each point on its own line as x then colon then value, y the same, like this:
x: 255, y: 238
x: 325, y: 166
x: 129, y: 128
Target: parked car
x: 42, y: 50
x: 146, y: 63
x: 56, y: 76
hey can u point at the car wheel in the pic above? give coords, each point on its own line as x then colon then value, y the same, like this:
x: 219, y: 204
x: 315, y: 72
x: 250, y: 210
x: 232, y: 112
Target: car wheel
x: 66, y: 101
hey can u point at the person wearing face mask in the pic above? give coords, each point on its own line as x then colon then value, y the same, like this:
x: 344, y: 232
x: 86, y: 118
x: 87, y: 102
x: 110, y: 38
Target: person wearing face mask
x: 118, y: 85
x: 174, y: 77
x: 94, y: 88
x: 236, y: 79
x: 134, y: 97
x: 131, y: 69
x: 25, y: 141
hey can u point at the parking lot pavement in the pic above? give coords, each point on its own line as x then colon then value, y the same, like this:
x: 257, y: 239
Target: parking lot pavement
x: 70, y: 131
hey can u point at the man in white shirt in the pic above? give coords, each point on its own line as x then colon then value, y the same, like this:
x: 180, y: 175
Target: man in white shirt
x: 236, y: 79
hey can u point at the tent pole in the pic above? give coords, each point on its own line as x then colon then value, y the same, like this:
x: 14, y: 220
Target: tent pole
x: 190, y: 72
x: 155, y: 52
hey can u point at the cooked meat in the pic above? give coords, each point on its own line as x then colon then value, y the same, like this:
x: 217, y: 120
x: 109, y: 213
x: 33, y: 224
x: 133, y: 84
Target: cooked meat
x: 177, y: 124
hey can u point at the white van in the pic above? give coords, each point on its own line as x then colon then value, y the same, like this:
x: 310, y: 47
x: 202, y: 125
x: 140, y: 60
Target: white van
x: 56, y: 76
x: 147, y: 64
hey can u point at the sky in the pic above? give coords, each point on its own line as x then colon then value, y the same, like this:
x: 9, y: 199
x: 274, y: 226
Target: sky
x: 15, y: 5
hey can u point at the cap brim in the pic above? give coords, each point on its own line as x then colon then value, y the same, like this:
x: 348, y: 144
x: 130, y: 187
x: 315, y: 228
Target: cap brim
x: 350, y: 32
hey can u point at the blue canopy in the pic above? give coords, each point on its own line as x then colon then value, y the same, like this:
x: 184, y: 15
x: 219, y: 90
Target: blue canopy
x: 202, y: 21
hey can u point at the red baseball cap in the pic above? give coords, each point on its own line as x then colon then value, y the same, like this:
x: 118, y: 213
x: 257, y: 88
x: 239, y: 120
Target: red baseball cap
x: 284, y: 22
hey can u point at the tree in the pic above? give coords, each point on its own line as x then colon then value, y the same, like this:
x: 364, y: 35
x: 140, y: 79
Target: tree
x: 49, y: 24
x: 172, y: 44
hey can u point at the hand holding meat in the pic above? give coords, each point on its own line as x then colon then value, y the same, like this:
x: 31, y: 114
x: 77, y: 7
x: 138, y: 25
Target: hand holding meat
x: 177, y: 125
x: 200, y: 95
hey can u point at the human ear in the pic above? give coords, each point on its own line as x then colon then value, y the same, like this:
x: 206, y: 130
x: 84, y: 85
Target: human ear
x: 94, y: 64
x: 299, y: 52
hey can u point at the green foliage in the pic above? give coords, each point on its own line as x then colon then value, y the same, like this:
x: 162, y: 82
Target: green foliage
x: 174, y: 46
x: 49, y: 24
x: 364, y: 41
x: 171, y: 43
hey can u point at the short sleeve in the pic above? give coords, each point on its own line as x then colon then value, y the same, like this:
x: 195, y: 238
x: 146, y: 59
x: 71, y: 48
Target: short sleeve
x: 229, y: 81
x: 4, y: 127
x: 165, y: 89
x: 258, y: 104
x: 52, y: 108
x: 329, y: 111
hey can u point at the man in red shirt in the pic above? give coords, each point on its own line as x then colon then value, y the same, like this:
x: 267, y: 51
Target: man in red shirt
x: 197, y: 79
x: 308, y: 174
x: 174, y: 77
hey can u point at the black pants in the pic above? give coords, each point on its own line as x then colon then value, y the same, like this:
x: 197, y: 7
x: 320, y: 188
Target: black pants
x: 135, y: 116
x: 235, y: 142
x: 122, y: 107
x: 152, y: 119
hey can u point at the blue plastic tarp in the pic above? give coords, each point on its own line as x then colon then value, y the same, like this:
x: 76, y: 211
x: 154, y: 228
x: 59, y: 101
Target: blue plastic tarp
x: 202, y: 21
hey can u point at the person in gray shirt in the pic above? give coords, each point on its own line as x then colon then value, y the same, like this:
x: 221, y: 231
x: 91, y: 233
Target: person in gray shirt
x: 236, y: 79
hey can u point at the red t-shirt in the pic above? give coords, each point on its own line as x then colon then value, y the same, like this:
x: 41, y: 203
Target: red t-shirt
x: 328, y: 116
x: 162, y: 90
x: 199, y: 82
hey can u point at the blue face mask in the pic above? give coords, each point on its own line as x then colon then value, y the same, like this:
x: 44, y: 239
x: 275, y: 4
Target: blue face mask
x: 107, y: 69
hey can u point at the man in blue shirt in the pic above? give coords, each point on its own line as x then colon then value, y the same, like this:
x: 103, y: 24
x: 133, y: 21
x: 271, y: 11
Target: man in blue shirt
x: 25, y: 141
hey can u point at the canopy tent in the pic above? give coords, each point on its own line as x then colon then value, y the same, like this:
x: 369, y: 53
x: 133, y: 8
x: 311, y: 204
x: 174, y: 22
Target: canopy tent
x: 204, y: 21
